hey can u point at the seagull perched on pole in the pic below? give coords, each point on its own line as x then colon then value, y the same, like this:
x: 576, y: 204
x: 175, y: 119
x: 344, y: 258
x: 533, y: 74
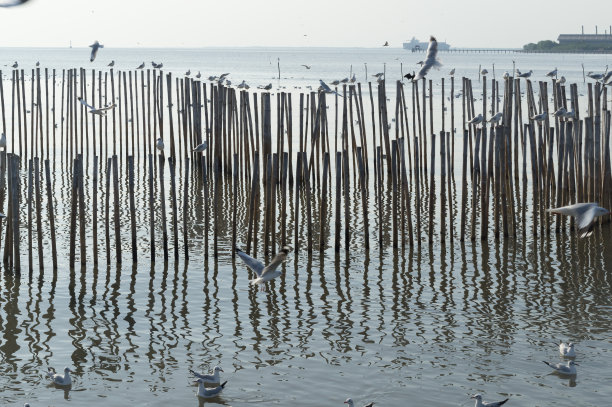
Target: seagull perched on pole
x: 94, y: 50
x: 595, y: 76
x: 552, y: 74
x: 159, y: 144
x: 560, y: 112
x: 476, y: 120
x: 431, y: 61
x: 585, y: 214
x: 326, y: 88
x: 112, y: 63
x: 3, y: 141
x: 264, y: 273
x: 100, y: 111
x: 561, y: 80
x: 496, y: 118
x: 539, y: 117
x: 141, y: 66
x: 524, y: 74
x: 480, y: 403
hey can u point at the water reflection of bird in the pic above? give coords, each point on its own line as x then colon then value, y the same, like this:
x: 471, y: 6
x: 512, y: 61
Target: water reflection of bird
x: 431, y: 61
x: 94, y: 50
x: 584, y: 213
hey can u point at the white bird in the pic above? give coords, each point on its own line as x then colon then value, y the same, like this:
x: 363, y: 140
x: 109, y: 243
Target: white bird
x: 452, y: 72
x: 596, y: 76
x: 213, y: 378
x: 325, y: 87
x: 567, y: 349
x: 353, y: 78
x: 94, y: 50
x: 201, y: 147
x: 552, y: 73
x: 484, y: 72
x: 264, y: 273
x: 569, y: 114
x: 62, y: 380
x: 141, y: 66
x: 506, y: 75
x: 350, y: 403
x: 102, y: 111
x: 561, y: 80
x: 539, y: 117
x: 560, y: 112
x: 480, y: 403
x: 204, y: 392
x: 524, y: 75
x: 569, y: 368
x: 3, y: 141
x: 476, y: 120
x: 431, y: 61
x: 112, y: 63
x: 585, y: 214
x: 496, y: 118
x: 159, y: 144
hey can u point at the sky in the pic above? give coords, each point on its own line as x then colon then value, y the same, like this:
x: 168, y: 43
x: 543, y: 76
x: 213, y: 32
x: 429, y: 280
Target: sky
x: 303, y: 23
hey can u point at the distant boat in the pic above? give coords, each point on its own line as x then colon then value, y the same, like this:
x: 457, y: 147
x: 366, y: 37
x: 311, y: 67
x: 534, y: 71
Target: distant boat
x: 416, y: 45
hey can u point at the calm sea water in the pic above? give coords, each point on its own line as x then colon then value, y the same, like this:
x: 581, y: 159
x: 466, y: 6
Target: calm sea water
x: 422, y: 327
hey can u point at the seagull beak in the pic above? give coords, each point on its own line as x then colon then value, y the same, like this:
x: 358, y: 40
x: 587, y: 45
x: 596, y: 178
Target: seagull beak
x: 221, y: 370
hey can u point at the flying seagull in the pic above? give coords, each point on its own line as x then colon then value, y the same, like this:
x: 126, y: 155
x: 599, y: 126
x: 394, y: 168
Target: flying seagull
x: 585, y: 214
x: 410, y: 76
x: 306, y: 66
x: 62, y: 380
x: 568, y: 368
x: 567, y: 349
x: 431, y: 61
x: 350, y: 403
x: 94, y: 50
x: 100, y: 111
x: 201, y: 147
x: 12, y: 3
x: 480, y: 403
x: 211, y: 378
x: 204, y: 392
x: 264, y: 273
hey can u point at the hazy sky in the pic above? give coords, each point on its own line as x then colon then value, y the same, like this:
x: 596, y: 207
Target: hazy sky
x: 360, y: 23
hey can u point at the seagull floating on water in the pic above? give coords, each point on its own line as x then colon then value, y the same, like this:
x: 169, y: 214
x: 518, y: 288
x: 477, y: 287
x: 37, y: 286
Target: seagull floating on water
x: 567, y: 349
x: 350, y: 403
x: 480, y: 403
x: 568, y: 368
x: 264, y: 273
x: 94, y: 50
x: 585, y: 214
x: 431, y: 61
x: 159, y: 144
x: 61, y: 380
x: 213, y: 378
x: 100, y: 111
x: 201, y: 147
x: 204, y: 392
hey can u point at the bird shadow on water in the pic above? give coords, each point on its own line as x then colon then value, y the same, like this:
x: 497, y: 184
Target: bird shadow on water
x: 218, y: 401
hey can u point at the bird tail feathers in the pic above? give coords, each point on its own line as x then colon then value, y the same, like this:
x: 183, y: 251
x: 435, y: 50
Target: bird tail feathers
x: 223, y: 384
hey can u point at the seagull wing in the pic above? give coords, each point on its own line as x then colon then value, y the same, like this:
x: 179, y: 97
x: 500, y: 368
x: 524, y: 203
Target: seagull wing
x: 84, y: 103
x: 431, y: 61
x: 495, y: 403
x: 206, y: 377
x: 254, y: 264
x: 276, y: 261
x: 585, y: 222
x: 109, y: 107
x: 325, y: 86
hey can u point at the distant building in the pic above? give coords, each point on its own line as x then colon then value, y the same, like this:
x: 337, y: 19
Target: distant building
x: 585, y: 39
x: 416, y: 45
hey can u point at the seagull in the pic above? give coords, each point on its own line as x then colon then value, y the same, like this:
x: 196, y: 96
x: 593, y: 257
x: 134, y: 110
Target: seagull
x: 12, y: 3
x: 306, y: 66
x: 496, y: 118
x: 506, y: 75
x: 560, y: 112
x: 204, y: 392
x: 199, y: 75
x: 243, y: 85
x: 153, y: 64
x: 410, y: 76
x: 431, y: 61
x: 3, y: 141
x: 112, y: 63
x: 568, y: 369
x: 561, y: 80
x: 523, y: 75
x: 15, y: 65
x: 585, y: 214
x: 480, y: 403
x: 570, y: 114
x: 552, y: 73
x: 539, y: 117
x: 160, y: 65
x: 353, y: 78
x: 476, y: 120
x: 101, y: 111
x: 567, y: 349
x: 484, y: 72
x: 141, y: 66
x: 200, y: 148
x: 223, y: 75
x: 212, y: 78
x: 326, y: 88
x: 420, y: 63
x: 62, y: 380
x: 268, y: 86
x: 386, y: 44
x: 159, y: 144
x: 209, y: 379
x: 345, y: 80
x: 378, y: 75
x: 37, y: 63
x: 335, y: 82
x: 188, y: 72
x: 350, y: 403
x: 264, y: 273
x: 94, y: 50
x: 452, y: 72
x: 596, y: 76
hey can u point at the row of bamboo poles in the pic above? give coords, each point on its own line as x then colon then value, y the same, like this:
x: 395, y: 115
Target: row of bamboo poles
x: 396, y: 156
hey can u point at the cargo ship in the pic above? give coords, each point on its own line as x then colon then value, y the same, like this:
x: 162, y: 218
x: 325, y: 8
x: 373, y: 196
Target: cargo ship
x: 415, y: 45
